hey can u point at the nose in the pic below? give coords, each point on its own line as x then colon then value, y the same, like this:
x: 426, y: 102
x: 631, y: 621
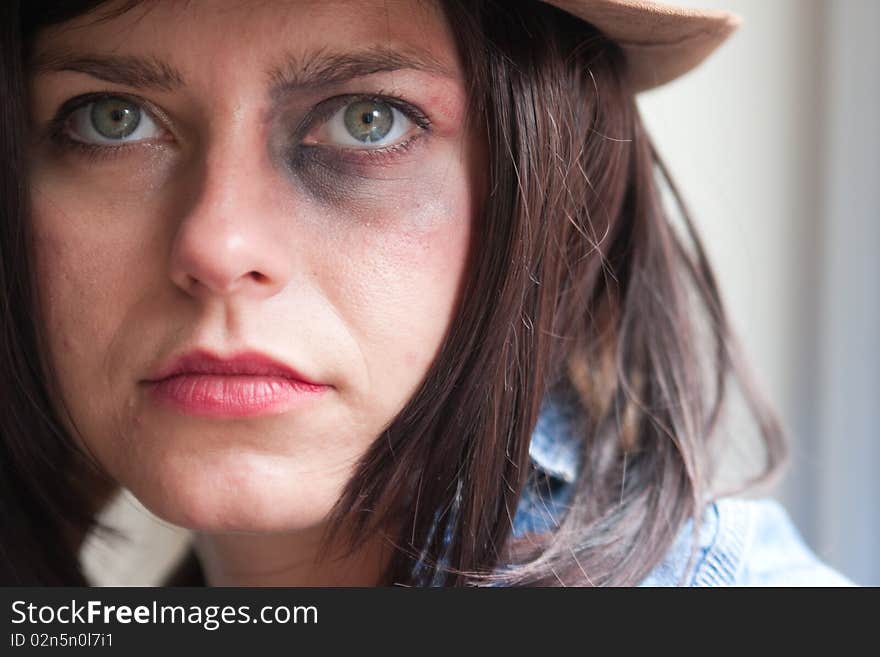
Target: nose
x: 229, y: 240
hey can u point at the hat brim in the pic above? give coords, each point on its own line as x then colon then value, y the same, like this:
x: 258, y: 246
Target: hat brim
x: 661, y: 42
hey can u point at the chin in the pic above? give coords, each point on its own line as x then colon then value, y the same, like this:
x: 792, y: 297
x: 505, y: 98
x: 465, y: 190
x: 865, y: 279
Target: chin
x: 234, y: 493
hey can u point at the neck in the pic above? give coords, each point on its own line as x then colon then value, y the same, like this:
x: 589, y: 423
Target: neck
x: 287, y: 559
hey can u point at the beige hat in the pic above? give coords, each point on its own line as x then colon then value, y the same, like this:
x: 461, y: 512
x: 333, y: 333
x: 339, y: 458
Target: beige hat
x: 661, y: 41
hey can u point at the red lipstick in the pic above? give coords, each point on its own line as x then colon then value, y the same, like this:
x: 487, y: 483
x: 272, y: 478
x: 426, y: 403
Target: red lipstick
x: 244, y: 384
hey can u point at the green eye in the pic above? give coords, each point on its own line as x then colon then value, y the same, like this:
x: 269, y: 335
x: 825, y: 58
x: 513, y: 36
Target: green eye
x: 110, y: 121
x: 115, y: 118
x: 365, y: 123
x: 368, y: 121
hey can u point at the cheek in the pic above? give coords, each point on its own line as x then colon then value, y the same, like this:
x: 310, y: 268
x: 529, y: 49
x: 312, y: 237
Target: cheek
x: 90, y: 274
x: 87, y: 266
x: 75, y: 281
x: 404, y: 281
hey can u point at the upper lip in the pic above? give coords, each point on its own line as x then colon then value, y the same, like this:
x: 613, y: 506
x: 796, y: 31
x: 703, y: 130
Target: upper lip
x: 203, y: 361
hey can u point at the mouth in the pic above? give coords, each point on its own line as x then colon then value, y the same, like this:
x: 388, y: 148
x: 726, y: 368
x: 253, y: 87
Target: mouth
x: 243, y: 384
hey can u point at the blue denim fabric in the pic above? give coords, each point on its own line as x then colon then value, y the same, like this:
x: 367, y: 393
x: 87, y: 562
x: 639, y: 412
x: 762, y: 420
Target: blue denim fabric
x: 742, y: 542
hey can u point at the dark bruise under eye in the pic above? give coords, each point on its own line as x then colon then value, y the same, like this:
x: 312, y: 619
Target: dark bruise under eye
x: 331, y: 171
x: 333, y: 175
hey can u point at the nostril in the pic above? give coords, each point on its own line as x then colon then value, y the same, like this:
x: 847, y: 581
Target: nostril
x: 258, y: 277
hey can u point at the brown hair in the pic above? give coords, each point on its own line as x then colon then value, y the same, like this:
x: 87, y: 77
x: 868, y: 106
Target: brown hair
x: 577, y: 280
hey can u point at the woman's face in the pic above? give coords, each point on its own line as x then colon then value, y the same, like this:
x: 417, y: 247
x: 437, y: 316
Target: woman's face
x: 290, y: 178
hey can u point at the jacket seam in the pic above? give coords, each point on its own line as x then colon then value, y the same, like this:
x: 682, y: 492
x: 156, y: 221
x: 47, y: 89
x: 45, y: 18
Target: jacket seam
x: 724, y: 557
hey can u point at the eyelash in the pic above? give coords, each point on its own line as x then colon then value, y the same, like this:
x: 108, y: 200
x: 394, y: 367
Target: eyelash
x: 325, y: 109
x: 58, y: 126
x: 321, y: 112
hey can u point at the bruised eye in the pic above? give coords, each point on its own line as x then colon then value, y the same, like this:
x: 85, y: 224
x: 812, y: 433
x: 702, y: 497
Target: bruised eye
x: 111, y: 120
x: 363, y: 123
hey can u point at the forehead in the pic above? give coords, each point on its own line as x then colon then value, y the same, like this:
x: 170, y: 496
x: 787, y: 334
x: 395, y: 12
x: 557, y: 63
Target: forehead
x: 274, y: 36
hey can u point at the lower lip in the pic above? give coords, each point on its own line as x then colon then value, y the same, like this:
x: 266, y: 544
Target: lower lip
x: 234, y: 395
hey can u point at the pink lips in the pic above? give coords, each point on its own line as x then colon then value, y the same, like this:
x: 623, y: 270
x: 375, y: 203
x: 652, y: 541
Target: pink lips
x: 248, y: 383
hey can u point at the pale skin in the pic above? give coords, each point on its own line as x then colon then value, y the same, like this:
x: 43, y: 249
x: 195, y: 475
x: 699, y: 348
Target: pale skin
x: 203, y: 228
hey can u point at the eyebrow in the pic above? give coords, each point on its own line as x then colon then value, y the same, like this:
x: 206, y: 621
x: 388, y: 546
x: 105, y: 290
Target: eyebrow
x: 128, y: 70
x: 323, y: 68
x: 315, y: 70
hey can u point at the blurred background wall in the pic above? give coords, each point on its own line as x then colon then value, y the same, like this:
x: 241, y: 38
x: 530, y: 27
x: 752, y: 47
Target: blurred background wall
x: 775, y: 143
x: 776, y: 146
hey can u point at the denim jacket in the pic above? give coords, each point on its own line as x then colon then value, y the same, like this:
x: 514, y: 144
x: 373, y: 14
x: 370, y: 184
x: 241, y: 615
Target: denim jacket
x: 742, y: 542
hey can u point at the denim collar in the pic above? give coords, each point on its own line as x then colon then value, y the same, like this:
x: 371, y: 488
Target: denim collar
x: 555, y: 447
x: 554, y: 454
x: 730, y: 530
